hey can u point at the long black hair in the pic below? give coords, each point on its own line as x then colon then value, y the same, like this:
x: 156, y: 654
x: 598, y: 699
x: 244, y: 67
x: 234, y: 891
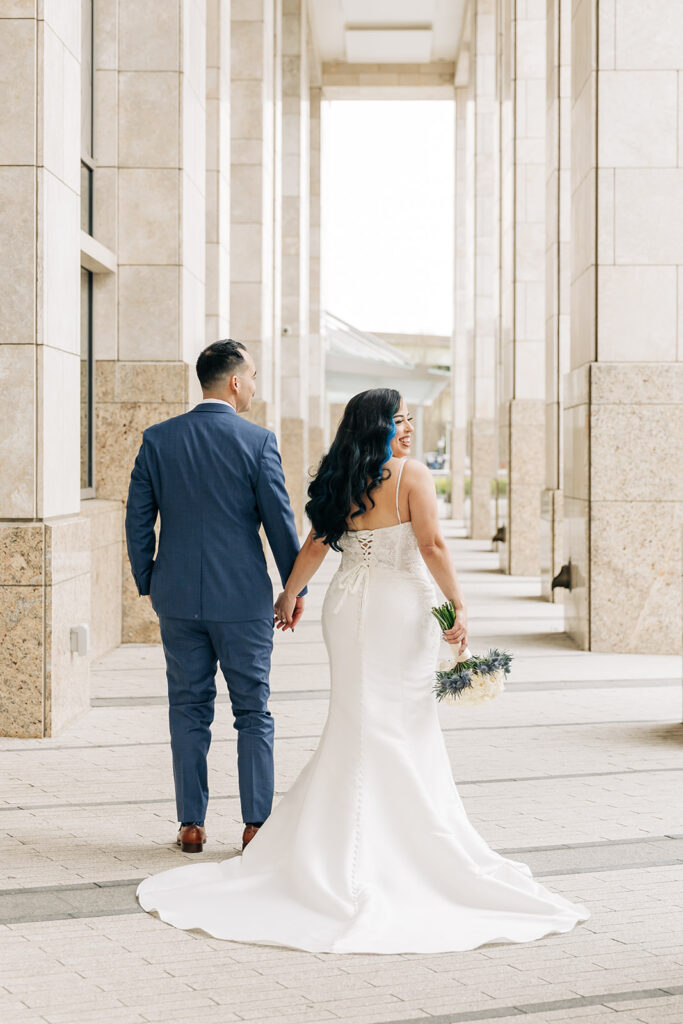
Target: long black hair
x: 355, y: 464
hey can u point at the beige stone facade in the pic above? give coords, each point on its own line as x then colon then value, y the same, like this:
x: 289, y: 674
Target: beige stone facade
x: 171, y: 150
x: 568, y: 179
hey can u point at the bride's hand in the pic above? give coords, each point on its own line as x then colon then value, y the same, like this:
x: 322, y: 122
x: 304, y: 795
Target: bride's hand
x: 283, y: 611
x: 457, y: 636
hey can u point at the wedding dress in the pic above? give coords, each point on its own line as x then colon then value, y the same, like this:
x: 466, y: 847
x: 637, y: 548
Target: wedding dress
x: 371, y: 850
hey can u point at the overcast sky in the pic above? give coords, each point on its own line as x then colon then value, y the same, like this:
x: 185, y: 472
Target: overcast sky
x: 387, y: 194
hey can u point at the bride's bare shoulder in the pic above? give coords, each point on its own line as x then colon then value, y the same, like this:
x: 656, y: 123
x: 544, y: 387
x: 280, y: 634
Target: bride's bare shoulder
x: 416, y: 474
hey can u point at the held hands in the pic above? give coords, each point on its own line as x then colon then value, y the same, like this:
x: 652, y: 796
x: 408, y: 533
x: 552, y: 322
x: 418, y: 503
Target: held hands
x: 457, y: 635
x: 287, y: 611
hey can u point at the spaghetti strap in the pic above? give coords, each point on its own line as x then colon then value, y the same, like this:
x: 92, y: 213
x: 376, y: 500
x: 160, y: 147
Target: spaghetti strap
x: 398, y: 484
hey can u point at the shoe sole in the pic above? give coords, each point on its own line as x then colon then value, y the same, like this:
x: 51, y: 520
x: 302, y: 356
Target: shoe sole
x: 190, y: 847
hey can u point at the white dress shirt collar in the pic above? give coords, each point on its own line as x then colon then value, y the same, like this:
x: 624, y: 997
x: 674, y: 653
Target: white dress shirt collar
x: 219, y: 401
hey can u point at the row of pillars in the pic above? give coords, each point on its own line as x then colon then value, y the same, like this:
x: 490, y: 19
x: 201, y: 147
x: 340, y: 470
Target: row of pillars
x: 567, y: 345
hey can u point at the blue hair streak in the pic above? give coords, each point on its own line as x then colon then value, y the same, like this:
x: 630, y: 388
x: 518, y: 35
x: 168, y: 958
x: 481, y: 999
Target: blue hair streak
x: 390, y: 436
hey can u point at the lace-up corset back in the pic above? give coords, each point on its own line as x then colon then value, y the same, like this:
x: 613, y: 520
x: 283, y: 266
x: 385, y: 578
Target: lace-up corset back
x: 391, y: 547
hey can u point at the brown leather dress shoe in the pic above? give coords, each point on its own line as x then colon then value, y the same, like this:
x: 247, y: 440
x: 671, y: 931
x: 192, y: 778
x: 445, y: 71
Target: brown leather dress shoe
x: 191, y: 838
x: 248, y: 834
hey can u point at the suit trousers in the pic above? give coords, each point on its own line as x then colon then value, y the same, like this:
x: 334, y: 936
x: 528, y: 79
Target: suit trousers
x: 193, y: 649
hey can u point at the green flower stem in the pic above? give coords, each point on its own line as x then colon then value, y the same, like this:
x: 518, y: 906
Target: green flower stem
x: 445, y: 614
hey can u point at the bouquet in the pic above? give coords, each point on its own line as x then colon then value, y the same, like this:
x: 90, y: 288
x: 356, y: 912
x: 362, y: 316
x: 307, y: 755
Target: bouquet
x: 470, y: 678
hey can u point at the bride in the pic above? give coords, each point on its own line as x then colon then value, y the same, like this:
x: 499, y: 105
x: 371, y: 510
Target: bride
x: 371, y: 850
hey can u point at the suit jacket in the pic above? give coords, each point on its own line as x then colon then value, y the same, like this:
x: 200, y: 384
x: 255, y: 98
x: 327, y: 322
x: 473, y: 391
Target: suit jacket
x: 213, y: 477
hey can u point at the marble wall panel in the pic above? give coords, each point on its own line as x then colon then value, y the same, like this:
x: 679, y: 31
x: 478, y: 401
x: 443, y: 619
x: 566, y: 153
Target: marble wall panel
x: 636, y: 600
x: 105, y: 316
x: 65, y: 21
x: 245, y: 243
x: 552, y: 543
x: 119, y: 428
x: 649, y: 216
x: 67, y: 681
x: 21, y: 660
x: 246, y: 53
x: 17, y: 432
x: 18, y: 255
x: 139, y: 382
x: 106, y: 35
x: 649, y: 34
x: 21, y: 554
x: 483, y: 472
x: 67, y: 549
x: 59, y: 128
x: 526, y: 440
x: 583, y: 318
x: 637, y: 452
x: 316, y: 449
x: 293, y: 443
x: 59, y: 246
x: 105, y: 208
x: 148, y: 119
x: 583, y: 226
x: 140, y: 624
x: 245, y: 309
x: 638, y: 118
x: 605, y: 216
x: 576, y: 481
x: 18, y: 89
x: 149, y: 35
x: 194, y: 136
x: 247, y: 115
x: 59, y: 439
x: 638, y: 311
x: 106, y: 533
x: 582, y: 133
x: 584, y: 45
x: 576, y: 553
x: 149, y: 210
x: 149, y: 313
x: 642, y: 384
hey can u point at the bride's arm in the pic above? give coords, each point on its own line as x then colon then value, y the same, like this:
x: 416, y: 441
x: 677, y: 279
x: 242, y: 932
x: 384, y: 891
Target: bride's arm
x: 307, y: 563
x: 424, y: 515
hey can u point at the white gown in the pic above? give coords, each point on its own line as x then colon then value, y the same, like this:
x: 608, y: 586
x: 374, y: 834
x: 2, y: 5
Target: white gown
x: 371, y: 850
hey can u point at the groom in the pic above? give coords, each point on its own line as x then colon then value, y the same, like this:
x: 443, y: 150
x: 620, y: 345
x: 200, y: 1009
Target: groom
x: 213, y: 478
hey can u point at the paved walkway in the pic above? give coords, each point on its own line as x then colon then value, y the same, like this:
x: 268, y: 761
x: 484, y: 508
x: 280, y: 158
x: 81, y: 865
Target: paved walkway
x: 576, y: 770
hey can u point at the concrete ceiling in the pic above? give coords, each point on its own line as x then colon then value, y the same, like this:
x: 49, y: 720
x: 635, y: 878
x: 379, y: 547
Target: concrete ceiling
x: 387, y: 31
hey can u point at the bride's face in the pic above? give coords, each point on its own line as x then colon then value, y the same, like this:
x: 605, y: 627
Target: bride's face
x: 400, y: 444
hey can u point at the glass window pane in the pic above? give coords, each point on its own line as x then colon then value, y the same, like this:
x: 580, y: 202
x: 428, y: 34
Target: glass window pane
x: 86, y: 198
x: 86, y: 381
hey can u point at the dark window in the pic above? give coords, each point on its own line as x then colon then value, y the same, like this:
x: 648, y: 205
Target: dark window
x: 87, y: 93
x: 87, y: 382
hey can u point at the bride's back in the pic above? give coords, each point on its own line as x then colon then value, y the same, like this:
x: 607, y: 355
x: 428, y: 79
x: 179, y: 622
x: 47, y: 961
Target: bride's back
x: 391, y: 502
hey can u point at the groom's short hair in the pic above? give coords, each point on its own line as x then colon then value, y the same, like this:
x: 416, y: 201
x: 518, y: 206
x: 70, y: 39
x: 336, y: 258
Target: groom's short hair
x: 219, y: 361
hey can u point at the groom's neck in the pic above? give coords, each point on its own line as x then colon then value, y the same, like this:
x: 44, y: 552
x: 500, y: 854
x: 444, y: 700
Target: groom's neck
x: 224, y: 397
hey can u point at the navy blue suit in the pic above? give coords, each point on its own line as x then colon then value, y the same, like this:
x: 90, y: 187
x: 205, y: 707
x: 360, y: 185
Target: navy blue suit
x: 213, y: 477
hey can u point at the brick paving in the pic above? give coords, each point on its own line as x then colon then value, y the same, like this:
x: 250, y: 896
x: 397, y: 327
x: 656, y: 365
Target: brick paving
x: 576, y: 770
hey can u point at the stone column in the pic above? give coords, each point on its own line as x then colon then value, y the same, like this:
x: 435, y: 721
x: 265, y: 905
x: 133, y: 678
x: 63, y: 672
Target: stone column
x: 159, y: 234
x: 217, y: 170
x: 557, y: 276
x: 295, y: 308
x: 461, y: 342
x: 316, y: 379
x: 521, y: 381
x: 623, y: 413
x: 44, y: 543
x: 485, y: 287
x: 253, y: 194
